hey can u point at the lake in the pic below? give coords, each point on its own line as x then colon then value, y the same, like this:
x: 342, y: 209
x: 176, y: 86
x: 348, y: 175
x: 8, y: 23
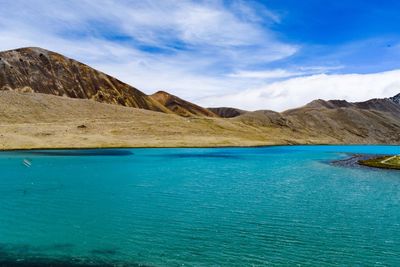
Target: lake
x: 282, y: 205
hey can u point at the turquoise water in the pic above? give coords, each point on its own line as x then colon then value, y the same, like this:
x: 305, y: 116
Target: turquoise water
x: 199, y: 207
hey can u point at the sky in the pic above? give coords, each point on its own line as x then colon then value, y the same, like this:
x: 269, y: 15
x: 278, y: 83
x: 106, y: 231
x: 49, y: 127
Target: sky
x: 266, y: 54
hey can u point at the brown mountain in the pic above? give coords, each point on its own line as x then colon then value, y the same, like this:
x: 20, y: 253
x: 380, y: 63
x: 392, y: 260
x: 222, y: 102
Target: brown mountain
x: 372, y: 121
x: 41, y: 71
x: 181, y: 107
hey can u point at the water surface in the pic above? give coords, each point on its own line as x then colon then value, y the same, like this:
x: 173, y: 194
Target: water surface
x: 199, y: 207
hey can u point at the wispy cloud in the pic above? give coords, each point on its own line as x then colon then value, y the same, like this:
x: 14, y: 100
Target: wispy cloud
x: 207, y: 29
x: 186, y: 47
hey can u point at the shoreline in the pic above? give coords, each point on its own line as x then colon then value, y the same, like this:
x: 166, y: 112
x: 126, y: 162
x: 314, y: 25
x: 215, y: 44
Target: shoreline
x: 361, y: 161
x: 193, y: 146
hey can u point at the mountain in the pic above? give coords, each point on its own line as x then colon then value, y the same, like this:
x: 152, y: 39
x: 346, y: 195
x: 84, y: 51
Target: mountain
x: 225, y: 112
x: 377, y: 104
x: 372, y: 121
x: 181, y: 107
x: 48, y: 100
x: 38, y: 70
x: 331, y: 104
x: 384, y: 105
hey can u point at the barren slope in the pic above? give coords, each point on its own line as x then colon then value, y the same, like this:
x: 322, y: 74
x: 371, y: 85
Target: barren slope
x: 42, y: 71
x: 376, y: 121
x: 31, y: 120
x: 181, y: 107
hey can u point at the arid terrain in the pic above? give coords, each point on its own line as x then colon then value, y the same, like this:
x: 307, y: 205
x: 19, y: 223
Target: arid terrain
x: 32, y: 120
x: 50, y: 101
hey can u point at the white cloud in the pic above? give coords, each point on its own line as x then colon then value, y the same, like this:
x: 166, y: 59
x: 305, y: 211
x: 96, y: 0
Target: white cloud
x: 267, y: 74
x: 298, y: 91
x: 205, y: 28
x: 215, y: 39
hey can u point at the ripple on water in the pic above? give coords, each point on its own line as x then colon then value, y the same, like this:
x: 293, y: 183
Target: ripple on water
x: 167, y: 207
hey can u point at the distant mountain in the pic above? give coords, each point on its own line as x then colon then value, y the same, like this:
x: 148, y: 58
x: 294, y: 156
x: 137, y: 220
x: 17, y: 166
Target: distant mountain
x: 41, y: 71
x: 319, y: 103
x: 181, y: 107
x: 378, y: 104
x: 225, y: 112
x: 372, y: 121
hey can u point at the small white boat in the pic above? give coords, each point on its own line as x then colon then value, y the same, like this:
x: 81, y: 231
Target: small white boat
x: 27, y: 163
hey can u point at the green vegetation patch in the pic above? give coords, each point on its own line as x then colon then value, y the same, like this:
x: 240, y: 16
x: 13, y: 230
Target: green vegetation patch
x: 386, y: 162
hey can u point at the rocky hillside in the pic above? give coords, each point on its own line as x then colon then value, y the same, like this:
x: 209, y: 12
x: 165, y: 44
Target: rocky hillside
x: 181, y: 107
x: 396, y: 99
x: 372, y: 121
x: 42, y: 71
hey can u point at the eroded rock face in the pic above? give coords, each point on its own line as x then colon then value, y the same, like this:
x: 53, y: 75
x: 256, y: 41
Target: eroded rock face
x: 42, y: 71
x: 396, y: 99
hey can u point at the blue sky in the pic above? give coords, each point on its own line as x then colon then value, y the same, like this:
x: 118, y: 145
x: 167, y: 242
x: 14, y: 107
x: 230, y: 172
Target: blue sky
x: 270, y: 54
x: 362, y: 36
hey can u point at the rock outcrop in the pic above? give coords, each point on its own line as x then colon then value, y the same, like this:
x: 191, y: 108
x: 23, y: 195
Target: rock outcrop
x: 396, y: 99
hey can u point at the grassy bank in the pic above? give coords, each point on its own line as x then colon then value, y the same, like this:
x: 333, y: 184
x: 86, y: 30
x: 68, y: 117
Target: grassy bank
x: 386, y: 162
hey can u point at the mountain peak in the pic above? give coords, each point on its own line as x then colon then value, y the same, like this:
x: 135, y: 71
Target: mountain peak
x: 161, y: 92
x: 320, y: 103
x: 180, y: 106
x: 29, y: 50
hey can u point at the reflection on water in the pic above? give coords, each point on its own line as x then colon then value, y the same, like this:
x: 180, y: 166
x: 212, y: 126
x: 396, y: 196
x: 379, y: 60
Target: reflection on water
x: 78, y: 152
x: 29, y: 256
x: 203, y: 155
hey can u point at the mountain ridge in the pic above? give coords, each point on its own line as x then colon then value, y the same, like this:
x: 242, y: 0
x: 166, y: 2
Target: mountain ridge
x: 396, y: 98
x: 375, y: 120
x: 34, y: 69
